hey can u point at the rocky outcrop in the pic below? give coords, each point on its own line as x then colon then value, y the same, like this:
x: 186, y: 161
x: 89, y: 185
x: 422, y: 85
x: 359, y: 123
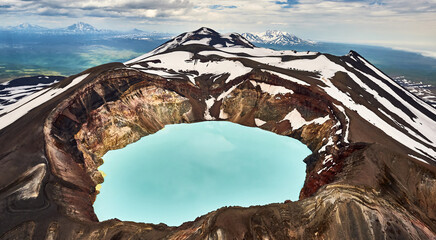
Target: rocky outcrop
x: 361, y: 183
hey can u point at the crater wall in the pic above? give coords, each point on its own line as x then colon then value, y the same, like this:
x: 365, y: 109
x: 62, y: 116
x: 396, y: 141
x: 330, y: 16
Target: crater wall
x: 353, y: 189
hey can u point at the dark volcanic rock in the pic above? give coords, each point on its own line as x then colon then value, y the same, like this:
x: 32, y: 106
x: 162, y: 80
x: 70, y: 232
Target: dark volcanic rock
x: 363, y: 179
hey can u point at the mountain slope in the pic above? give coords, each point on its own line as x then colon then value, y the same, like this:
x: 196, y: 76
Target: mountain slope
x: 12, y: 91
x: 371, y: 174
x: 203, y: 36
x: 392, y: 109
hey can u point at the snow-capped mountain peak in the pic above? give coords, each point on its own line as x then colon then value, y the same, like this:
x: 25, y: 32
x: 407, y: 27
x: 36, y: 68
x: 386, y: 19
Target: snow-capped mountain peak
x: 82, y: 27
x: 27, y: 27
x: 276, y: 37
x: 208, y: 36
x: 202, y: 36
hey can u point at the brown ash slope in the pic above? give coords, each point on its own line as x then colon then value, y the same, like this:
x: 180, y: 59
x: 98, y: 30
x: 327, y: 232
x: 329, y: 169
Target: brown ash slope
x: 371, y: 174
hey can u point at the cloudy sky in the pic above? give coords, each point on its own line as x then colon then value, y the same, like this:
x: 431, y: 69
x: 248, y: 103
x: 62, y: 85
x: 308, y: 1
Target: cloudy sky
x: 398, y: 23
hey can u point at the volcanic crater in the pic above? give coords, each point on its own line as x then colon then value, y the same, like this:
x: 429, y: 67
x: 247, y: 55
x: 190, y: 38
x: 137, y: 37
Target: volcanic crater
x: 362, y: 182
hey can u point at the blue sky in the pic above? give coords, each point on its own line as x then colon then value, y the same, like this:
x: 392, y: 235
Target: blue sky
x: 399, y: 23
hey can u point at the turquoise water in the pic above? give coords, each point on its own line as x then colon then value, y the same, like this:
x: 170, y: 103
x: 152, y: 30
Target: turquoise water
x: 187, y: 170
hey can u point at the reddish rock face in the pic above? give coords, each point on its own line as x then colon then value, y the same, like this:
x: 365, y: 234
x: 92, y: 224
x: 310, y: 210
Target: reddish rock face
x: 330, y: 166
x: 361, y: 183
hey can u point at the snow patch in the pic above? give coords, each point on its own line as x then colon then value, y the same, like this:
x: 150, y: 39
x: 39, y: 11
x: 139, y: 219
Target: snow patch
x: 297, y: 121
x: 271, y: 89
x: 286, y: 77
x: 347, y: 128
x: 182, y: 61
x: 226, y: 93
x: 329, y: 143
x: 209, y: 104
x: 417, y: 158
x: 320, y: 64
x: 203, y: 41
x: 259, y: 122
x: 324, y: 169
x: 327, y: 159
x: 223, y: 115
x: 265, y: 52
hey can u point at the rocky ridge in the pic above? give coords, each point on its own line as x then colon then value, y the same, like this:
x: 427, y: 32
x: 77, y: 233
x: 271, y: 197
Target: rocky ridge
x: 371, y: 174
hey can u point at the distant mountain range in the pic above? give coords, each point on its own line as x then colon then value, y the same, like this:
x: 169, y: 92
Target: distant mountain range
x: 79, y: 27
x: 276, y: 37
x: 82, y: 28
x: 27, y: 27
x: 273, y: 37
